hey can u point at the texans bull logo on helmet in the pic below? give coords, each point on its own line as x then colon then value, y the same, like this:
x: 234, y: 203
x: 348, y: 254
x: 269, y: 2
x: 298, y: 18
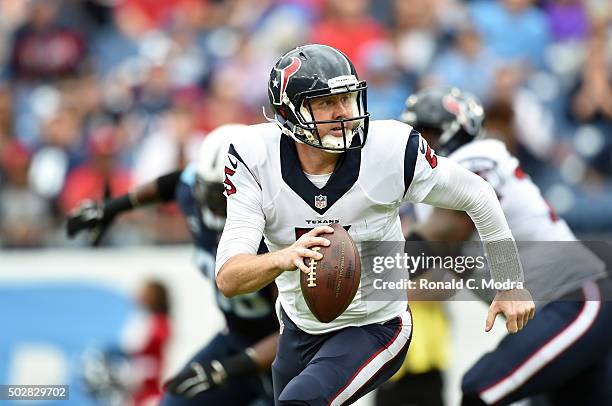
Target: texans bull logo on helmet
x: 460, y: 109
x: 279, y: 84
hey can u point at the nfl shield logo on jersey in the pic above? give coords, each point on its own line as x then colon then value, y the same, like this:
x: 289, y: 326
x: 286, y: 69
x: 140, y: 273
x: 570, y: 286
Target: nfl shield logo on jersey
x: 320, y: 202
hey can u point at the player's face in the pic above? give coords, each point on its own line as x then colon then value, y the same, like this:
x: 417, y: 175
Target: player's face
x: 334, y: 107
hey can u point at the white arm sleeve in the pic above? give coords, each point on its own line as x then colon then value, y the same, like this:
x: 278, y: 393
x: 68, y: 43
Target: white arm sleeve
x: 459, y: 189
x: 245, y: 218
x: 441, y: 182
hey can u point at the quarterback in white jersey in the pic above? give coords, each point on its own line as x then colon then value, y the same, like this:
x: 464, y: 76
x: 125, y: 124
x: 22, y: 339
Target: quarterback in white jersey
x: 324, y: 162
x: 570, y: 338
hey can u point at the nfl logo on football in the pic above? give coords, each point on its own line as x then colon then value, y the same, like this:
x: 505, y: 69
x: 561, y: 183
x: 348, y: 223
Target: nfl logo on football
x: 320, y: 202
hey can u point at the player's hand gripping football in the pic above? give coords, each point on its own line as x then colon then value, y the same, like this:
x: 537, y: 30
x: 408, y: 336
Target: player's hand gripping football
x: 293, y: 257
x: 516, y: 305
x: 197, y: 378
x: 90, y: 216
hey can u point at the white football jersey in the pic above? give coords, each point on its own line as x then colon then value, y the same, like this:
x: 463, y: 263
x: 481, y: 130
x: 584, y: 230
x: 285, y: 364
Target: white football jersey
x: 529, y: 216
x: 551, y: 270
x: 268, y: 192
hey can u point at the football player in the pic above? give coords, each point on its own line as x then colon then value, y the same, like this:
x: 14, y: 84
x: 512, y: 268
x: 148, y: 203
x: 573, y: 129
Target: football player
x: 321, y: 161
x: 228, y: 370
x: 565, y: 351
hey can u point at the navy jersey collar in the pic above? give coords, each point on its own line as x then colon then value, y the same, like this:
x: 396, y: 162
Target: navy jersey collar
x: 341, y: 180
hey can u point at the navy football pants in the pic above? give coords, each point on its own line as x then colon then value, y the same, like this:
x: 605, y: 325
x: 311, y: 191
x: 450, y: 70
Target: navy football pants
x: 337, y: 368
x: 565, y: 352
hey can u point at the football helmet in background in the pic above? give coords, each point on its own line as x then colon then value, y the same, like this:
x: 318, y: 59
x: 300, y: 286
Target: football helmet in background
x: 210, y: 174
x: 312, y: 71
x: 452, y: 116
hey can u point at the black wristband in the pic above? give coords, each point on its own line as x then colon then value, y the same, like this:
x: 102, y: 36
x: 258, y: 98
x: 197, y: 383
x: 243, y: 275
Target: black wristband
x: 239, y: 365
x: 118, y: 205
x: 166, y: 185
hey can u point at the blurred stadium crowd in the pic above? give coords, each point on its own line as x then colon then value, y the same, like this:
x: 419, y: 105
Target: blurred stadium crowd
x: 100, y: 95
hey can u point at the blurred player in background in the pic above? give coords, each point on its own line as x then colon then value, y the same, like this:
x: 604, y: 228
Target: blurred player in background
x: 231, y: 369
x: 565, y: 350
x: 148, y: 355
x: 132, y: 373
x: 321, y: 161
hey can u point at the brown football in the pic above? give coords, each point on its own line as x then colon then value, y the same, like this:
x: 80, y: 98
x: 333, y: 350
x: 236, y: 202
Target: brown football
x: 331, y: 285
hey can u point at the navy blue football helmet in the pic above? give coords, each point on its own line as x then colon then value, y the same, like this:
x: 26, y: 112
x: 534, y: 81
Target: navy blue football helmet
x: 452, y: 116
x: 308, y: 72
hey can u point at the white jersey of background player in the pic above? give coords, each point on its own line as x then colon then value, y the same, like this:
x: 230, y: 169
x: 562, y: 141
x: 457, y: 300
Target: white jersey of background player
x: 368, y: 169
x: 529, y: 216
x: 452, y: 120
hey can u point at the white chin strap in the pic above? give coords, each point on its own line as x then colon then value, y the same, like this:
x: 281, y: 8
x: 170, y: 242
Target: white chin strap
x: 329, y: 141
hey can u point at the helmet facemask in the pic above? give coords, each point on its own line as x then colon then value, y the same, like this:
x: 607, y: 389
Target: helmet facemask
x: 301, y: 125
x: 351, y: 128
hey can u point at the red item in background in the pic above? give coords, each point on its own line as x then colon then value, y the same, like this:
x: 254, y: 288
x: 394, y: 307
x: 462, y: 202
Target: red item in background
x: 157, y: 13
x: 48, y: 54
x: 213, y: 113
x: 350, y: 38
x: 103, y: 141
x: 152, y: 354
x: 14, y: 155
x: 86, y: 182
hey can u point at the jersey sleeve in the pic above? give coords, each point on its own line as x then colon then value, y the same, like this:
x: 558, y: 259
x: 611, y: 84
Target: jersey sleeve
x: 245, y: 217
x: 421, y: 172
x: 457, y: 188
x: 441, y: 182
